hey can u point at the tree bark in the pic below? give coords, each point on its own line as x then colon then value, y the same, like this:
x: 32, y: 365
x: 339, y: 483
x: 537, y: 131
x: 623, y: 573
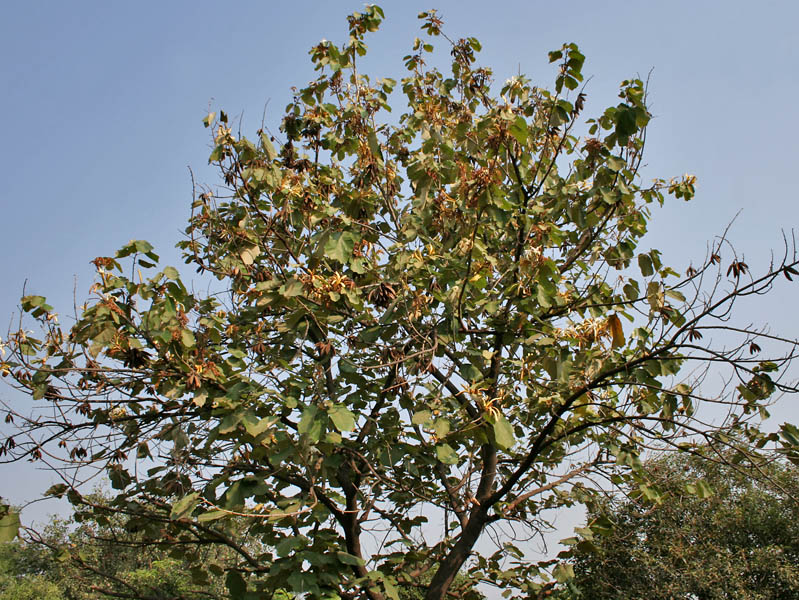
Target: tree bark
x: 458, y: 555
x: 478, y: 517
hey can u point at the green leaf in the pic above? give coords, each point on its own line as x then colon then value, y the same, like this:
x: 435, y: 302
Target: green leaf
x: 212, y: 515
x: 269, y: 149
x: 290, y: 544
x: 143, y: 246
x: 645, y: 264
x: 563, y: 572
x: 441, y: 427
x: 349, y: 559
x: 543, y: 297
x: 675, y: 295
x: 519, y: 130
x: 236, y: 585
x: 446, y: 454
x: 234, y: 496
x: 370, y: 334
x: 374, y: 146
x: 625, y: 121
x: 308, y: 415
x: 700, y: 489
x: 39, y: 391
x: 571, y: 82
x: 187, y: 337
x: 57, y: 490
x: 790, y: 433
x: 137, y: 246
x: 209, y: 119
x: 31, y: 302
x: 650, y: 493
x: 230, y: 422
x: 342, y: 418
x: 184, y: 506
x: 292, y: 287
x: 503, y: 433
x: 216, y: 154
x: 9, y: 525
x: 256, y: 427
x: 171, y: 273
x: 421, y: 417
x: 391, y: 590
x: 616, y: 163
x: 703, y: 489
x: 339, y: 246
x: 310, y: 424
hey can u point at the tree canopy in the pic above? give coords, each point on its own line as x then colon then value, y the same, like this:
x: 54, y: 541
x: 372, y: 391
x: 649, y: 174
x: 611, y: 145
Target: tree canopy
x: 92, y: 562
x: 97, y: 554
x: 418, y: 332
x: 740, y: 542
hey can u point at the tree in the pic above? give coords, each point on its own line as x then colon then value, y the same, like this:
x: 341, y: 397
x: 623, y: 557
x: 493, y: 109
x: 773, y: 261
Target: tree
x: 24, y: 574
x: 96, y: 554
x: 740, y: 543
x: 416, y: 330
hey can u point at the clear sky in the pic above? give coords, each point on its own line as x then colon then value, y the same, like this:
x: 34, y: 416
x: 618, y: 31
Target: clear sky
x: 102, y: 105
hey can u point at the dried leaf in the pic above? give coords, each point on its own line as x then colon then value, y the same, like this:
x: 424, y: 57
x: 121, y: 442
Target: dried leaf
x: 616, y: 331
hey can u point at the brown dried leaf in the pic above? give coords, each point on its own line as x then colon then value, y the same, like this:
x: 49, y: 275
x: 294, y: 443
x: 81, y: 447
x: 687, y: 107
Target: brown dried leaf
x: 616, y: 331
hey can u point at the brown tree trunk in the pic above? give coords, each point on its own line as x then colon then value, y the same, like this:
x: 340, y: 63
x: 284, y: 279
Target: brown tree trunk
x: 458, y: 555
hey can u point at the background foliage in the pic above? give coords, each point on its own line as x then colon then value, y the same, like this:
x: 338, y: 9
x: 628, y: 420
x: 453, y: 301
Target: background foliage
x: 738, y: 543
x: 98, y: 555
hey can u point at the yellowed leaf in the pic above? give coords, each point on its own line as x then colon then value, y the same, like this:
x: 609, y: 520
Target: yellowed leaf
x: 614, y: 324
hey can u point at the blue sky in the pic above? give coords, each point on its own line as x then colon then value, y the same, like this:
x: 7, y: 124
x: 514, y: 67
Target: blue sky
x: 102, y: 105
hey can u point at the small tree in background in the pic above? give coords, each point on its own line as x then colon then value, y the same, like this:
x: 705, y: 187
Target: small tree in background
x: 740, y: 543
x: 25, y: 573
x: 98, y: 554
x: 422, y: 329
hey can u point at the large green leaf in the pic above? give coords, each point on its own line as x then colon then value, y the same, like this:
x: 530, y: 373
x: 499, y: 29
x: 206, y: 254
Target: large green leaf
x: 236, y: 585
x: 342, y: 417
x: 446, y: 454
x: 563, y: 572
x: 292, y: 287
x: 421, y: 417
x: 255, y: 426
x: 184, y: 506
x: 9, y: 525
x: 311, y: 423
x: 503, y: 433
x: 339, y: 246
x: 349, y: 559
x: 212, y: 515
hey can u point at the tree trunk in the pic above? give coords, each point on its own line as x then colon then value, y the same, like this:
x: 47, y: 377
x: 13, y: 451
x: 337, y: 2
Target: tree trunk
x: 460, y: 552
